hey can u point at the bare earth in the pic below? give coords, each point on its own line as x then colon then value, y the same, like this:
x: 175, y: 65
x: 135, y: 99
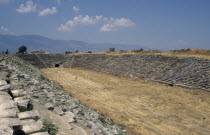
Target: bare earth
x: 145, y: 107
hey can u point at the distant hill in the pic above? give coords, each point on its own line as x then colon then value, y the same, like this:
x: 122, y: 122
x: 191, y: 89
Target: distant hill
x: 37, y: 42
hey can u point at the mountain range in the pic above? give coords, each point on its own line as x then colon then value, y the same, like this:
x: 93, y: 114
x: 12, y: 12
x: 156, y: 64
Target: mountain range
x: 37, y: 42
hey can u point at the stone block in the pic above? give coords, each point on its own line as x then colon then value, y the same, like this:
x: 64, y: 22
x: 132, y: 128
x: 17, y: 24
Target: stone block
x: 3, y: 82
x: 69, y: 117
x: 49, y: 106
x: 11, y: 122
x: 5, y: 88
x: 5, y: 130
x: 27, y: 121
x: 41, y: 133
x: 8, y: 113
x: 29, y: 115
x: 7, y: 105
x: 23, y: 103
x: 32, y: 128
x: 58, y: 111
x: 18, y: 93
x: 4, y: 97
x: 79, y: 131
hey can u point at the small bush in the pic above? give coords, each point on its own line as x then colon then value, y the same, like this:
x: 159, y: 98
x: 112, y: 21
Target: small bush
x: 41, y: 77
x: 122, y: 126
x: 137, y: 51
x: 49, y: 127
x: 111, y: 49
x: 102, y: 119
x: 123, y: 51
x: 89, y: 52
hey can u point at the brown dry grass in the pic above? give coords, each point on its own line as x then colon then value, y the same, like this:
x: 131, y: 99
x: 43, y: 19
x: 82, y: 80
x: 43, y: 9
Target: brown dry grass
x: 197, y: 53
x: 146, y: 108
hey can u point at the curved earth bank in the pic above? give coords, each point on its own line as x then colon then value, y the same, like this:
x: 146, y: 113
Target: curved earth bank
x: 145, y: 107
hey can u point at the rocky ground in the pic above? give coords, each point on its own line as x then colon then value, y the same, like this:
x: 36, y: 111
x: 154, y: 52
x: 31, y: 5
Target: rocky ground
x: 27, y: 99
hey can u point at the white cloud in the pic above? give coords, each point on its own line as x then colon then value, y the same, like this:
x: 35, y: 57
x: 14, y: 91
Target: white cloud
x: 4, y: 30
x: 116, y: 24
x: 48, y: 11
x: 79, y: 20
x: 28, y: 7
x: 76, y: 9
x: 110, y: 24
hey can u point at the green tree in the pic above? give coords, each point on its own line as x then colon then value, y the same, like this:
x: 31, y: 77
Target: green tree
x: 22, y: 49
x: 7, y: 52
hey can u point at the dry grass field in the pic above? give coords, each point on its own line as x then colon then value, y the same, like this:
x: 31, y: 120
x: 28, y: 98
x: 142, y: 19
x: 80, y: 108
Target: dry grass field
x: 146, y: 108
x: 197, y: 53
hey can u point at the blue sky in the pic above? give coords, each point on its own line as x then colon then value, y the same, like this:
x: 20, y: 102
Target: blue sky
x: 160, y: 24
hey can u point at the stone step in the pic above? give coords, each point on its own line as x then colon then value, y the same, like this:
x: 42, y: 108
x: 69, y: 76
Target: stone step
x: 58, y: 120
x: 79, y: 131
x: 5, y: 88
x: 19, y: 99
x: 40, y: 133
x: 69, y: 117
x: 2, y: 82
x: 23, y: 103
x: 27, y: 121
x: 58, y: 111
x: 8, y: 113
x: 7, y: 105
x: 5, y: 130
x: 18, y: 93
x: 11, y: 122
x: 29, y: 115
x: 16, y: 86
x: 32, y: 128
x: 4, y: 97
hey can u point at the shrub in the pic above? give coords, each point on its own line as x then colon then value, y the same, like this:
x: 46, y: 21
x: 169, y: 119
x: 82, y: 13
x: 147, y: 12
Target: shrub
x: 49, y: 127
x: 102, y: 119
x: 123, y: 51
x: 68, y: 52
x: 137, y: 51
x: 122, y: 126
x: 111, y: 49
x: 89, y: 52
x: 22, y: 49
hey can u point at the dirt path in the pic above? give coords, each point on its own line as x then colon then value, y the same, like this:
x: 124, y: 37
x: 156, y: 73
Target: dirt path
x: 146, y: 108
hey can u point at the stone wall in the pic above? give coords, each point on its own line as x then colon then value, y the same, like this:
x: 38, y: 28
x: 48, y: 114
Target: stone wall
x: 187, y: 72
x: 27, y: 98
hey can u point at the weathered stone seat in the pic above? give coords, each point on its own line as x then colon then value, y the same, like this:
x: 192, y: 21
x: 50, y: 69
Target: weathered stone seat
x: 69, y: 117
x: 27, y: 121
x: 40, y: 133
x: 4, y: 97
x: 3, y: 82
x: 5, y: 130
x: 29, y: 115
x: 5, y: 88
x: 11, y: 122
x: 23, y: 103
x: 32, y: 128
x: 18, y: 93
x: 8, y: 113
x: 7, y: 105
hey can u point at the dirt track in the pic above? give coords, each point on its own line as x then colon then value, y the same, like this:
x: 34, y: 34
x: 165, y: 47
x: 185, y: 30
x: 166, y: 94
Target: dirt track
x: 145, y: 107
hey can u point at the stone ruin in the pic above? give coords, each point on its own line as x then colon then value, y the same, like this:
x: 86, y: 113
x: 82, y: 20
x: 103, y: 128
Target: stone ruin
x: 193, y: 73
x: 27, y: 98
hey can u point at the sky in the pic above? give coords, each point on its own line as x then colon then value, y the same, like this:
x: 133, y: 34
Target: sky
x: 158, y: 24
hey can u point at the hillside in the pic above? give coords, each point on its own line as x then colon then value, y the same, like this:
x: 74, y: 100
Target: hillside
x: 37, y: 42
